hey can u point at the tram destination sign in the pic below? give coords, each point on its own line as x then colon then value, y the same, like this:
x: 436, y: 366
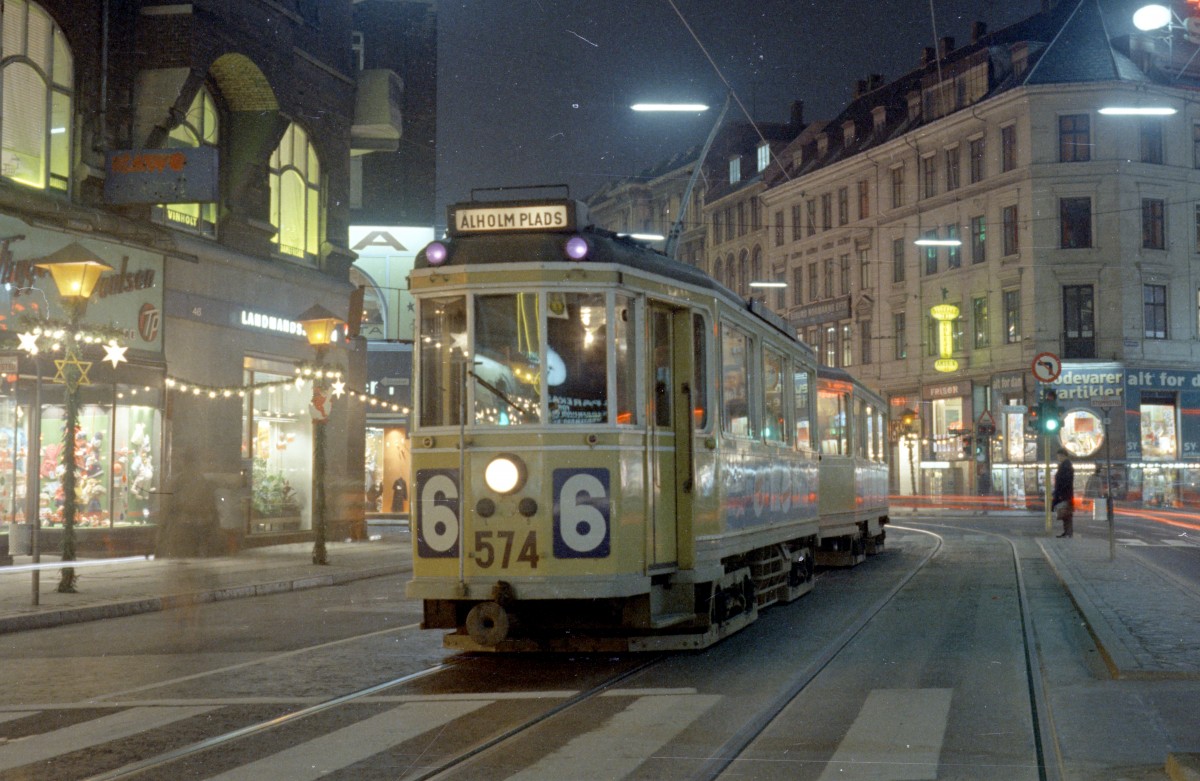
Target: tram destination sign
x: 528, y: 216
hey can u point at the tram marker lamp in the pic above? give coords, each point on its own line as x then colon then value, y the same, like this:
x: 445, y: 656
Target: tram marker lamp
x: 576, y: 248
x: 436, y: 253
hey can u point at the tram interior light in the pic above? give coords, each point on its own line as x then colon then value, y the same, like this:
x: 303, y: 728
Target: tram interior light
x: 505, y: 474
x: 576, y: 248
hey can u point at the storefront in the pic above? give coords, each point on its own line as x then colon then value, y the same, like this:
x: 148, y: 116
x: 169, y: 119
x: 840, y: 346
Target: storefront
x: 118, y: 443
x: 948, y: 466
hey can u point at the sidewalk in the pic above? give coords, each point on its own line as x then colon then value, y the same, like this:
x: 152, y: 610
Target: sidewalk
x: 1145, y: 620
x: 108, y: 588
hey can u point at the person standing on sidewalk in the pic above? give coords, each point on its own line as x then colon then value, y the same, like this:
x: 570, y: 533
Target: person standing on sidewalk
x: 1063, y: 498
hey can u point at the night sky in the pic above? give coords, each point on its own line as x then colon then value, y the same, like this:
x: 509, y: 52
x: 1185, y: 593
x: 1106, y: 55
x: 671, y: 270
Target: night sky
x: 537, y: 91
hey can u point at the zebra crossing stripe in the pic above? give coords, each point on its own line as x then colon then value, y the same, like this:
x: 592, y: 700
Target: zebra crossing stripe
x: 897, y: 737
x: 353, y: 743
x: 39, y: 748
x: 619, y: 746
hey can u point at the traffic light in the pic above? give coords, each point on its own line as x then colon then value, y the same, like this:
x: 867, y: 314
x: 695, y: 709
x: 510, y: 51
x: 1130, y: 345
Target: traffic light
x: 1049, y: 414
x: 1032, y: 421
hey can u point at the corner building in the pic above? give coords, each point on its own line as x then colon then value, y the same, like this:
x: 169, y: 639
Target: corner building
x: 1080, y: 239
x: 202, y: 150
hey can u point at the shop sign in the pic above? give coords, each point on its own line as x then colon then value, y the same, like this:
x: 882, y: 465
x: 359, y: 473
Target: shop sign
x: 1009, y: 384
x: 1163, y: 379
x: 1083, y: 382
x: 823, y: 312
x: 948, y: 390
x: 184, y: 175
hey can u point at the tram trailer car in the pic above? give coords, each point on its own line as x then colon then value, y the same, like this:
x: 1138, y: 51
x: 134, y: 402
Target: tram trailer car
x: 611, y: 451
x: 853, y: 498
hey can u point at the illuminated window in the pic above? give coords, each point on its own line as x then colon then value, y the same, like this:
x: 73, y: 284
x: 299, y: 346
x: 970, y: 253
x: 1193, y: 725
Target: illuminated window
x: 295, y: 194
x: 35, y: 123
x: 198, y: 128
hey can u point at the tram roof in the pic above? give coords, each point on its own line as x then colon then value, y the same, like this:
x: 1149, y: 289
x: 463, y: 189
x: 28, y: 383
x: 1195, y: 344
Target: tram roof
x: 472, y: 243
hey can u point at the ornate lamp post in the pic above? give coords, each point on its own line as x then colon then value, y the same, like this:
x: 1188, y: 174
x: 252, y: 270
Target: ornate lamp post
x: 76, y: 270
x: 319, y: 327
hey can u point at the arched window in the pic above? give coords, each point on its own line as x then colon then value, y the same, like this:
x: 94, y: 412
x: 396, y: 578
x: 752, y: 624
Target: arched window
x: 198, y: 128
x: 374, y: 308
x: 37, y: 84
x: 296, y: 194
x: 730, y: 273
x: 716, y: 272
x: 743, y: 275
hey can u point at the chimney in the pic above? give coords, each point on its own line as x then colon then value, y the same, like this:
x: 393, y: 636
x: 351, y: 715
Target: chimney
x: 928, y: 56
x: 796, y: 121
x: 945, y: 46
x: 860, y: 88
x: 978, y: 30
x: 874, y: 82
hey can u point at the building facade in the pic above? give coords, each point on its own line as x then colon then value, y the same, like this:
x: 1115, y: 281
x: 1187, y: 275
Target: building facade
x: 202, y: 151
x: 1064, y: 254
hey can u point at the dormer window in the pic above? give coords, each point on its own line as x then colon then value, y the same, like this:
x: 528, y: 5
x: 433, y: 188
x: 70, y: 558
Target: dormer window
x: 848, y: 133
x: 735, y: 170
x: 764, y: 156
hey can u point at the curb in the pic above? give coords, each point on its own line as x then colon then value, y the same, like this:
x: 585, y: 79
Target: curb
x: 53, y: 618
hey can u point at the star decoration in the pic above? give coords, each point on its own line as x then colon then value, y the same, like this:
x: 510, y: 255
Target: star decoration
x: 338, y: 388
x: 459, y: 342
x: 28, y: 342
x: 114, y: 353
x: 72, y: 372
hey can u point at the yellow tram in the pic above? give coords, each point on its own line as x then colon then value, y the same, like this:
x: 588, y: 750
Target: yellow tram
x: 611, y: 451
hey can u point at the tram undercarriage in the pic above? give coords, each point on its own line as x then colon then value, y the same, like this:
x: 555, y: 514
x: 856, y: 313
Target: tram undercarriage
x: 674, y: 615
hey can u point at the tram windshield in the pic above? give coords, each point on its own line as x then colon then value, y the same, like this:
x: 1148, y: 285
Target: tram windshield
x: 533, y: 358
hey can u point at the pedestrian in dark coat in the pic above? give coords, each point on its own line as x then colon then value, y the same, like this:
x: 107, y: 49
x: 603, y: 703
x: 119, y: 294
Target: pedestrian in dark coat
x: 1063, y: 499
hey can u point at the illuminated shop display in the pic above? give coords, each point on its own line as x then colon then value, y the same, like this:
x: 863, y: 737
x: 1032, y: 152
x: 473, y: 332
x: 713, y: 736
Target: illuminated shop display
x: 1082, y: 433
x: 278, y: 441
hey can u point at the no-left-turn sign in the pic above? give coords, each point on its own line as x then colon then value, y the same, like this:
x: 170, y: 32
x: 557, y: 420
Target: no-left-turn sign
x: 1046, y: 367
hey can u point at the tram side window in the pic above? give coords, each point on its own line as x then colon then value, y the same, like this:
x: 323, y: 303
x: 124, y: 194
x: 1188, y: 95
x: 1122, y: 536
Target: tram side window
x: 869, y: 419
x: 626, y: 347
x: 775, y: 422
x: 735, y: 371
x: 442, y: 355
x: 860, y: 426
x: 802, y: 382
x: 700, y: 373
x: 577, y: 357
x: 508, y: 360
x: 831, y: 422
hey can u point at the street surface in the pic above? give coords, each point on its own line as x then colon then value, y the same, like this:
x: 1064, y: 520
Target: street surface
x: 956, y: 654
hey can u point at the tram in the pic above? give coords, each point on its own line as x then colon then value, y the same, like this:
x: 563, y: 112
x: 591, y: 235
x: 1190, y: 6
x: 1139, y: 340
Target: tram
x: 611, y: 451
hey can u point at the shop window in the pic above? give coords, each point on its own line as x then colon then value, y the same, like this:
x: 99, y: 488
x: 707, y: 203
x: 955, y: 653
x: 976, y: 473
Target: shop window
x: 1159, y: 432
x: 116, y: 464
x: 295, y: 178
x: 1082, y: 433
x: 278, y: 436
x: 38, y: 89
x: 198, y: 128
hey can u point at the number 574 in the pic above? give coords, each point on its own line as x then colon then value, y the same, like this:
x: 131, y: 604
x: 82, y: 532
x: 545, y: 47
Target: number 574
x: 485, y: 548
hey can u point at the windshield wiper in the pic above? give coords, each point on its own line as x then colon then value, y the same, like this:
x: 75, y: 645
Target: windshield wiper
x: 499, y: 394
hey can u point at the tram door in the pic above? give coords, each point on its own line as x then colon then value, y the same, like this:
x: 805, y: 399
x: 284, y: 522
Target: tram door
x: 664, y: 376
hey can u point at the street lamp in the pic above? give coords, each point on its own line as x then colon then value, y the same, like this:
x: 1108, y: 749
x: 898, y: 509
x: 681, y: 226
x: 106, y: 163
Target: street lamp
x: 75, y: 270
x: 320, y: 326
x: 677, y: 226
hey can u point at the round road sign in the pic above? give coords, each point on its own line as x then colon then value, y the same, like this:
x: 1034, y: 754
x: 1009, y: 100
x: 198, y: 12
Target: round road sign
x: 1046, y: 367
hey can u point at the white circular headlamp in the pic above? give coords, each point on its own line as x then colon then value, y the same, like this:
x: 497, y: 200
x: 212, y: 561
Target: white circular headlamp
x: 505, y: 474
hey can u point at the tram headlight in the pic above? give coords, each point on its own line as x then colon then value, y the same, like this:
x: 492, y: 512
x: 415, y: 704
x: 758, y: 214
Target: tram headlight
x: 505, y: 474
x: 576, y: 248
